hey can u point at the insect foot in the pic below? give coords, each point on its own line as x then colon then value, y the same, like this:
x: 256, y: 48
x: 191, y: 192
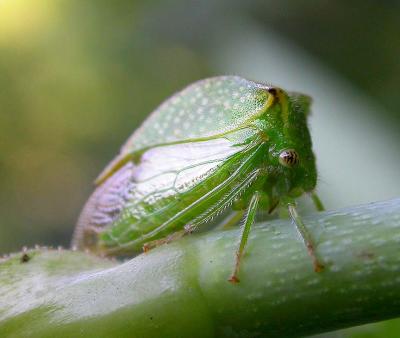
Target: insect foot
x: 234, y: 279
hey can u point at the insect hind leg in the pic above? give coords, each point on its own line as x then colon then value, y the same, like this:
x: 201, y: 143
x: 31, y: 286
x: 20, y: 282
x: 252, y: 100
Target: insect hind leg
x: 166, y: 240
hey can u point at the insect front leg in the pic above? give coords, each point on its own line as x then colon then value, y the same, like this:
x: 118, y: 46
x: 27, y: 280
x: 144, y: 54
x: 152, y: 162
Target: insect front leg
x: 318, y: 267
x: 248, y: 222
x: 317, y: 201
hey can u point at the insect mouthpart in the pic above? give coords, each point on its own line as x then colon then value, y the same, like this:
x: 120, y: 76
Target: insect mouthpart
x: 289, y: 158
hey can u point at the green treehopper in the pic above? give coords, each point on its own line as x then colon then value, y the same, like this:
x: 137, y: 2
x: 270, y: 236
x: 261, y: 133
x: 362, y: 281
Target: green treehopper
x: 223, y: 143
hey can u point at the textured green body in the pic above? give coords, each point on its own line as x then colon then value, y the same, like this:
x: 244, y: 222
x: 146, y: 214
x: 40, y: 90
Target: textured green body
x: 207, y: 148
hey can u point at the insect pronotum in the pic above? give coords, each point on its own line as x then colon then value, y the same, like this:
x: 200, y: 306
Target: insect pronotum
x: 223, y: 142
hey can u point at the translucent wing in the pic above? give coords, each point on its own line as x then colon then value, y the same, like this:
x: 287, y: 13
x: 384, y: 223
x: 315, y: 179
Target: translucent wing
x: 136, y: 199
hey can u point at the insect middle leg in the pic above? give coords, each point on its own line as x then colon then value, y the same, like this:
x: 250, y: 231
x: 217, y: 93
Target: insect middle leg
x: 248, y: 222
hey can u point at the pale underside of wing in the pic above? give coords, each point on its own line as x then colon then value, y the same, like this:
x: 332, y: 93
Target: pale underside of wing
x: 103, y: 207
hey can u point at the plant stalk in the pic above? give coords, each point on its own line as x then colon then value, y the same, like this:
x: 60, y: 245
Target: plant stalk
x: 181, y: 289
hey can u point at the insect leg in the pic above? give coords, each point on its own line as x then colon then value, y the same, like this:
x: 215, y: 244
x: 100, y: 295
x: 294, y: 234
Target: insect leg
x: 317, y: 201
x: 188, y: 229
x: 174, y: 236
x: 306, y: 236
x: 248, y: 222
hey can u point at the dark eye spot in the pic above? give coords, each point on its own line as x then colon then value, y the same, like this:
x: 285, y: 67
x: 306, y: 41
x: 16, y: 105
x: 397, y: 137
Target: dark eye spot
x: 289, y: 158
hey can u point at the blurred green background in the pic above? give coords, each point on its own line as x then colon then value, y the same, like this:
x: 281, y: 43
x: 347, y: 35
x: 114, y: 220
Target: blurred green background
x: 77, y: 77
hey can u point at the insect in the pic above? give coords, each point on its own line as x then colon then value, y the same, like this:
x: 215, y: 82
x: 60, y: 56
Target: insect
x: 221, y: 143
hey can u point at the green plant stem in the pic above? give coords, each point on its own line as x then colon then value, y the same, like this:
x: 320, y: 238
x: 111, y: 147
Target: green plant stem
x: 181, y: 289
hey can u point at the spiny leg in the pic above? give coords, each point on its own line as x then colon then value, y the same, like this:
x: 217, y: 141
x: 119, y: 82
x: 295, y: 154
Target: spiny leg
x: 248, y: 221
x: 306, y: 237
x: 317, y: 201
x: 188, y: 229
x: 170, y: 238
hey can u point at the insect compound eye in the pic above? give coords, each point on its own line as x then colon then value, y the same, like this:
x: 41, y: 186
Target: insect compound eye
x: 289, y: 158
